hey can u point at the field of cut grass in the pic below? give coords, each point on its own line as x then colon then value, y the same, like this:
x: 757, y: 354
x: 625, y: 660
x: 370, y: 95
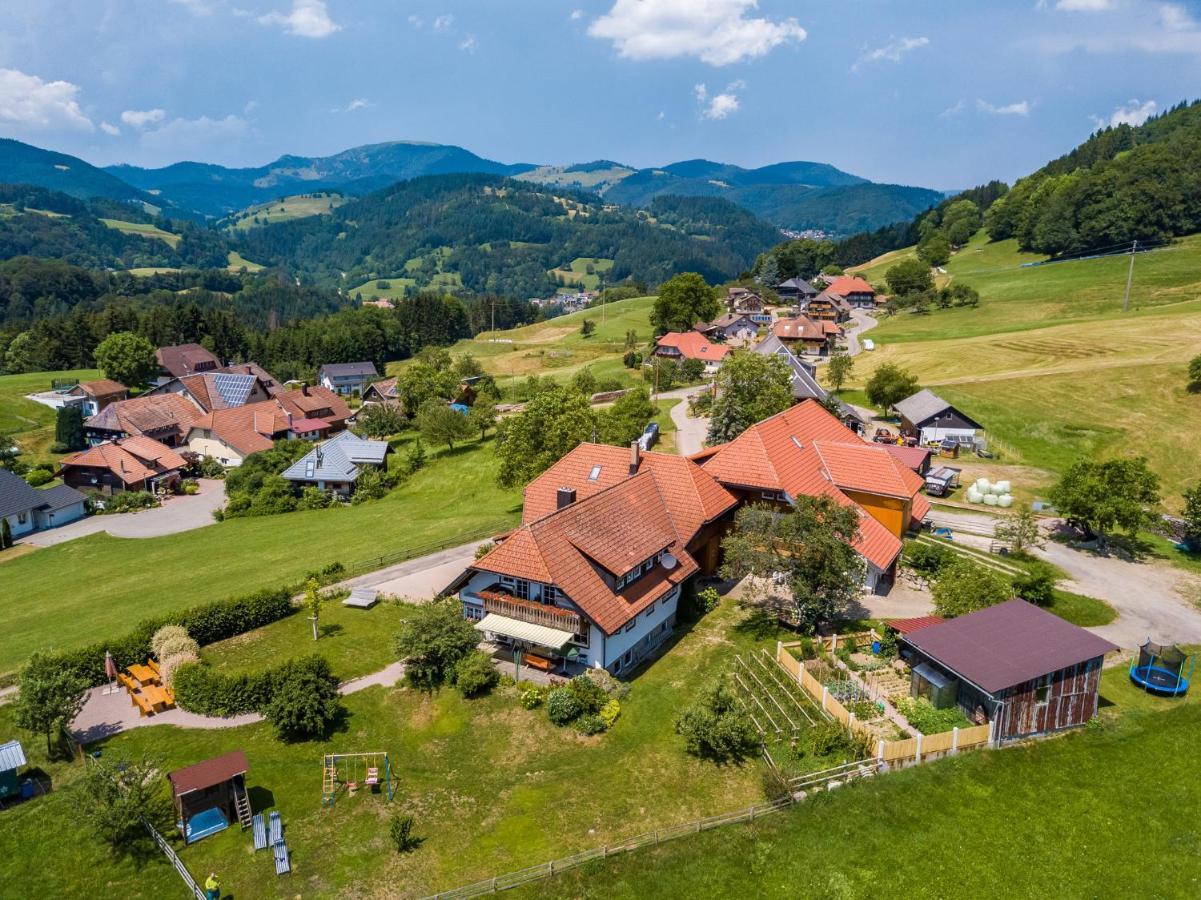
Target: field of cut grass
x: 1053, y: 368
x: 46, y: 604
x: 298, y: 206
x: 395, y: 288
x: 237, y: 261
x: 1051, y: 818
x: 492, y: 787
x: 576, y: 274
x: 28, y: 423
x: 145, y: 230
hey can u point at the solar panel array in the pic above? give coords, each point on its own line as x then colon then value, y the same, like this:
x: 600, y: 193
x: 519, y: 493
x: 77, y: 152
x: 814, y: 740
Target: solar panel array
x: 234, y: 390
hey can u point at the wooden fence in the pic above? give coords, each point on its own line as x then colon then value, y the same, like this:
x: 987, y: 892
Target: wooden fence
x: 176, y: 862
x: 898, y: 752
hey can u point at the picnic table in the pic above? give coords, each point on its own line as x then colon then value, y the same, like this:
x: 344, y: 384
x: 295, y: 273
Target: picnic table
x: 156, y: 696
x: 143, y: 675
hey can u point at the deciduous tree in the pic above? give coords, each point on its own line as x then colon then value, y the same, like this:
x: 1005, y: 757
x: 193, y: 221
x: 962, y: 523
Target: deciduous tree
x: 909, y: 276
x: 483, y: 414
x: 750, y: 387
x: 126, y: 357
x: 716, y: 726
x: 839, y: 369
x: 889, y: 385
x: 552, y: 424
x: 118, y: 793
x: 439, y: 424
x: 963, y: 587
x: 433, y: 641
x: 682, y: 302
x: 49, y: 697
x: 1100, y: 496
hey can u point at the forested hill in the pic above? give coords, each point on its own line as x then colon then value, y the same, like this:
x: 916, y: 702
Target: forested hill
x: 22, y: 163
x: 495, y: 235
x: 1122, y: 184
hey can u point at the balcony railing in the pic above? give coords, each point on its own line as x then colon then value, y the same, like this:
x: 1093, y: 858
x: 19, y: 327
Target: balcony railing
x: 534, y: 613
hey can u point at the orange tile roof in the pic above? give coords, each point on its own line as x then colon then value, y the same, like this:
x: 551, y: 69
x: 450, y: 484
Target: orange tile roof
x: 693, y: 345
x: 152, y: 412
x: 804, y: 328
x: 248, y: 429
x: 102, y: 387
x: 612, y: 530
x: 805, y: 451
x: 849, y: 284
x: 310, y: 402
x: 132, y: 459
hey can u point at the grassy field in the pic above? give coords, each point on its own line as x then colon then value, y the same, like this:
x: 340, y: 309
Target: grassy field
x: 28, y: 423
x: 298, y: 206
x: 1051, y: 365
x: 492, y: 787
x: 237, y: 261
x: 46, y: 604
x: 576, y: 274
x: 145, y: 229
x: 395, y: 290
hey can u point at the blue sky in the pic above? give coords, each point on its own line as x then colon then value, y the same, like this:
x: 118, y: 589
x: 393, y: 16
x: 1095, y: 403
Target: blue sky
x: 943, y: 94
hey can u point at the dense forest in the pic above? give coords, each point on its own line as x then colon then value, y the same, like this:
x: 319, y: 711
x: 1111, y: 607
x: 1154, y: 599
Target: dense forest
x: 500, y: 236
x: 39, y: 222
x: 1124, y: 183
x: 52, y: 316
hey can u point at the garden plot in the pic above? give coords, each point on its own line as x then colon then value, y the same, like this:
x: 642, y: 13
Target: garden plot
x: 781, y: 711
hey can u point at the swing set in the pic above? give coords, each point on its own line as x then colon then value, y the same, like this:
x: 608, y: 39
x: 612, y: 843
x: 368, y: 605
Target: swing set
x: 353, y: 771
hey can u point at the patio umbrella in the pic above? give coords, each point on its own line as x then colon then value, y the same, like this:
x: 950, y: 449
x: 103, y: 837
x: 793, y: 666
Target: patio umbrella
x: 110, y: 667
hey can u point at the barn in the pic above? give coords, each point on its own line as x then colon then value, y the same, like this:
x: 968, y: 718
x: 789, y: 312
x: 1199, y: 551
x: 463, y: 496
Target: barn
x: 1026, y: 670
x: 930, y: 419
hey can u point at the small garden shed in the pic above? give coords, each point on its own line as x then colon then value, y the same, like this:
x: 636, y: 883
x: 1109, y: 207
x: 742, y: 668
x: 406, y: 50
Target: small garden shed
x: 1014, y: 664
x: 12, y: 757
x: 209, y: 795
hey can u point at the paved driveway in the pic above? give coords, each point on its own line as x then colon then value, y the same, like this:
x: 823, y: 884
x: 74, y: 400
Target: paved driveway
x: 419, y: 579
x: 690, y: 432
x: 866, y: 323
x: 175, y: 515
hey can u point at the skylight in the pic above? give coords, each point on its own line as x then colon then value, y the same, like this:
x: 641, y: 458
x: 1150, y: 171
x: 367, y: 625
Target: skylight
x: 595, y: 473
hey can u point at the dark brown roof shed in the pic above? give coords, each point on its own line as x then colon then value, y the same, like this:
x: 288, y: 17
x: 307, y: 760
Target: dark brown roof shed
x: 208, y: 773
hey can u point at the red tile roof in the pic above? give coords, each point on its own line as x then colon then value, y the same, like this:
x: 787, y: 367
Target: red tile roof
x: 912, y: 457
x: 613, y: 529
x: 184, y: 359
x: 132, y: 459
x: 103, y: 387
x: 806, y: 451
x: 315, y: 403
x: 153, y: 412
x: 908, y: 626
x: 805, y: 329
x: 251, y: 428
x: 694, y: 345
x: 849, y: 284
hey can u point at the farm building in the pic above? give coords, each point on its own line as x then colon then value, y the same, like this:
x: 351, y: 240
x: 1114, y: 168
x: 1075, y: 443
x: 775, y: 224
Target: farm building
x: 93, y: 396
x: 854, y: 290
x: 932, y: 419
x: 12, y: 757
x: 730, y: 327
x: 796, y: 291
x: 1026, y: 670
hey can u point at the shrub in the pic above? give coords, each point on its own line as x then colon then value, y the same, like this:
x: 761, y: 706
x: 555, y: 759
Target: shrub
x: 174, y: 646
x: 119, y: 794
x: 610, y: 712
x: 129, y: 501
x: 708, y: 599
x: 188, y: 487
x: 561, y: 706
x: 201, y: 689
x: 59, y: 447
x: 963, y: 587
x: 169, y: 666
x: 590, y: 724
x: 165, y: 634
x: 716, y: 727
x: 401, y: 831
x: 925, y: 718
x: 530, y: 698
x: 1037, y: 587
x: 38, y: 477
x: 304, y: 699
x: 475, y: 674
x: 925, y: 558
x: 433, y: 641
x: 588, y: 694
x: 210, y: 468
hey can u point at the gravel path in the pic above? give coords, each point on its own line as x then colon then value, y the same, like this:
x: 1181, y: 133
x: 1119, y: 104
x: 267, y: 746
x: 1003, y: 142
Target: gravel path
x: 175, y: 515
x: 690, y: 432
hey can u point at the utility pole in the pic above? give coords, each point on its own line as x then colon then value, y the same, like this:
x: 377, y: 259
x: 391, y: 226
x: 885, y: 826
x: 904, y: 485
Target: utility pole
x: 1129, y: 277
x: 494, y: 318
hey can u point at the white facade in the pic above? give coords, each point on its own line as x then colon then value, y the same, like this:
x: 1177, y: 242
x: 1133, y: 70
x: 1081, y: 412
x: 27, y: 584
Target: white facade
x: 930, y: 434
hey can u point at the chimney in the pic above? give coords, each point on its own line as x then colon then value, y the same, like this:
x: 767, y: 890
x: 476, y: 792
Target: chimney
x: 565, y: 496
x: 635, y: 457
x: 304, y: 389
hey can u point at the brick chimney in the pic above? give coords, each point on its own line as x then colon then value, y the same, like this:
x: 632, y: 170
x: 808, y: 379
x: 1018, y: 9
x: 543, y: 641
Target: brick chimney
x: 635, y: 457
x: 564, y: 497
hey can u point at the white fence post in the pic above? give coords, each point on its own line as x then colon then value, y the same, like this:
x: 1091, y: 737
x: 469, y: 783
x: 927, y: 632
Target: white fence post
x: 992, y: 731
x: 825, y: 693
x: 880, y: 751
x: 955, y: 739
x: 779, y: 649
x: 850, y: 721
x: 918, y: 754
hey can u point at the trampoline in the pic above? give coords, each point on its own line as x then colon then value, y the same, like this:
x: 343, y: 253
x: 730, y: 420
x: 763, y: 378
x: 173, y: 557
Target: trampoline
x: 1162, y: 670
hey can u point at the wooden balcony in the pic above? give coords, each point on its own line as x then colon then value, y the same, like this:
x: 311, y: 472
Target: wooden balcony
x: 534, y: 613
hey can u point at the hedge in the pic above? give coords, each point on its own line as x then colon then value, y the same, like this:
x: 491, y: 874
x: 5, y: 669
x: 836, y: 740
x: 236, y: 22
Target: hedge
x: 207, y: 624
x: 201, y: 689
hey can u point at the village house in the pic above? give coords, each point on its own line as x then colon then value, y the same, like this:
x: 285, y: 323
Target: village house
x: 93, y: 396
x: 381, y: 392
x: 854, y: 290
x: 828, y: 307
x: 813, y: 336
x: 594, y: 574
x: 216, y: 390
x: 796, y: 292
x: 28, y: 509
x: 1022, y: 669
x: 806, y: 451
x: 184, y: 359
x: 346, y: 378
x: 315, y: 403
x: 135, y: 463
x: 678, y: 346
x: 162, y: 417
x: 802, y: 379
x: 266, y: 379
x: 334, y: 466
x: 932, y: 420
x: 232, y: 434
x: 735, y: 327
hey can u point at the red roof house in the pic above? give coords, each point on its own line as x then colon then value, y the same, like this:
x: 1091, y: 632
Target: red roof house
x: 691, y: 345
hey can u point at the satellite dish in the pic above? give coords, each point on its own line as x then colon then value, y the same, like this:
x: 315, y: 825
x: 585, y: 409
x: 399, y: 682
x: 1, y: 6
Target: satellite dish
x: 669, y: 561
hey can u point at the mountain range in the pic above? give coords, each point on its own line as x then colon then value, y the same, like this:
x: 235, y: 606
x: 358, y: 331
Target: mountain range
x: 791, y: 195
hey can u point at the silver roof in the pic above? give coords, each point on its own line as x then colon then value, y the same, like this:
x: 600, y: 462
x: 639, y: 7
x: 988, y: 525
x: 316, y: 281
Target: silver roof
x: 12, y: 756
x: 921, y: 406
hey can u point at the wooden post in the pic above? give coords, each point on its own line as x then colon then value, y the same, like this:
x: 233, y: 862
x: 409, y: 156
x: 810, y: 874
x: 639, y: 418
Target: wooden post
x: 955, y: 739
x: 918, y: 754
x: 851, y: 722
x: 880, y: 751
x: 779, y: 649
x: 992, y: 731
x: 825, y: 693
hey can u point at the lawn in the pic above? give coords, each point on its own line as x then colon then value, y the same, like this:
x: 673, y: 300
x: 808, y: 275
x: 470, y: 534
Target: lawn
x: 492, y: 786
x: 144, y: 229
x: 1100, y: 812
x: 355, y: 641
x: 576, y: 273
x: 299, y: 206
x: 1087, y: 612
x: 29, y: 423
x: 46, y: 604
x: 395, y: 290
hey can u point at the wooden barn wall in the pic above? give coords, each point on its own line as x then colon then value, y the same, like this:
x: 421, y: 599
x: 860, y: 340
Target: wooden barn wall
x: 1071, y: 700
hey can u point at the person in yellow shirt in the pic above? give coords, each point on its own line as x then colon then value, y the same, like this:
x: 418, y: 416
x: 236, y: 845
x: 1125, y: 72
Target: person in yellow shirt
x: 212, y: 887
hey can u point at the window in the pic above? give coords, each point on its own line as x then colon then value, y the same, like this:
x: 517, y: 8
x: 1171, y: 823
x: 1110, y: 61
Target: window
x: 22, y: 518
x: 595, y: 473
x: 768, y: 495
x: 519, y: 586
x: 650, y: 610
x: 1043, y: 691
x: 581, y: 639
x: 630, y: 626
x: 550, y: 593
x: 472, y: 612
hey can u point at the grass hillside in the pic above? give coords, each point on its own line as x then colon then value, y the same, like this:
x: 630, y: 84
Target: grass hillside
x: 286, y: 209
x: 31, y: 424
x: 1051, y: 365
x: 145, y: 230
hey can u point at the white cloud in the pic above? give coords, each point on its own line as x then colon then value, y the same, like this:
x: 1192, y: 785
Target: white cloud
x: 1157, y: 28
x: 28, y: 101
x: 576, y: 14
x: 953, y: 110
x: 720, y: 105
x: 1084, y: 5
x: 891, y: 52
x: 1174, y: 17
x: 468, y: 44
x: 196, y: 7
x: 355, y: 104
x: 308, y: 18
x: 1018, y: 108
x: 416, y: 21
x: 110, y: 129
x: 140, y: 118
x: 443, y: 22
x: 189, y: 136
x: 1133, y: 113
x: 718, y: 32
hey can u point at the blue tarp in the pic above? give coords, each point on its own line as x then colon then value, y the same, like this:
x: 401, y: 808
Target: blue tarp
x: 210, y: 821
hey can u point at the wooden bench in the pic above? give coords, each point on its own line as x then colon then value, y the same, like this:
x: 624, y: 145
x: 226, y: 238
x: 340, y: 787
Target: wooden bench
x: 538, y: 662
x: 143, y: 705
x: 153, y: 667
